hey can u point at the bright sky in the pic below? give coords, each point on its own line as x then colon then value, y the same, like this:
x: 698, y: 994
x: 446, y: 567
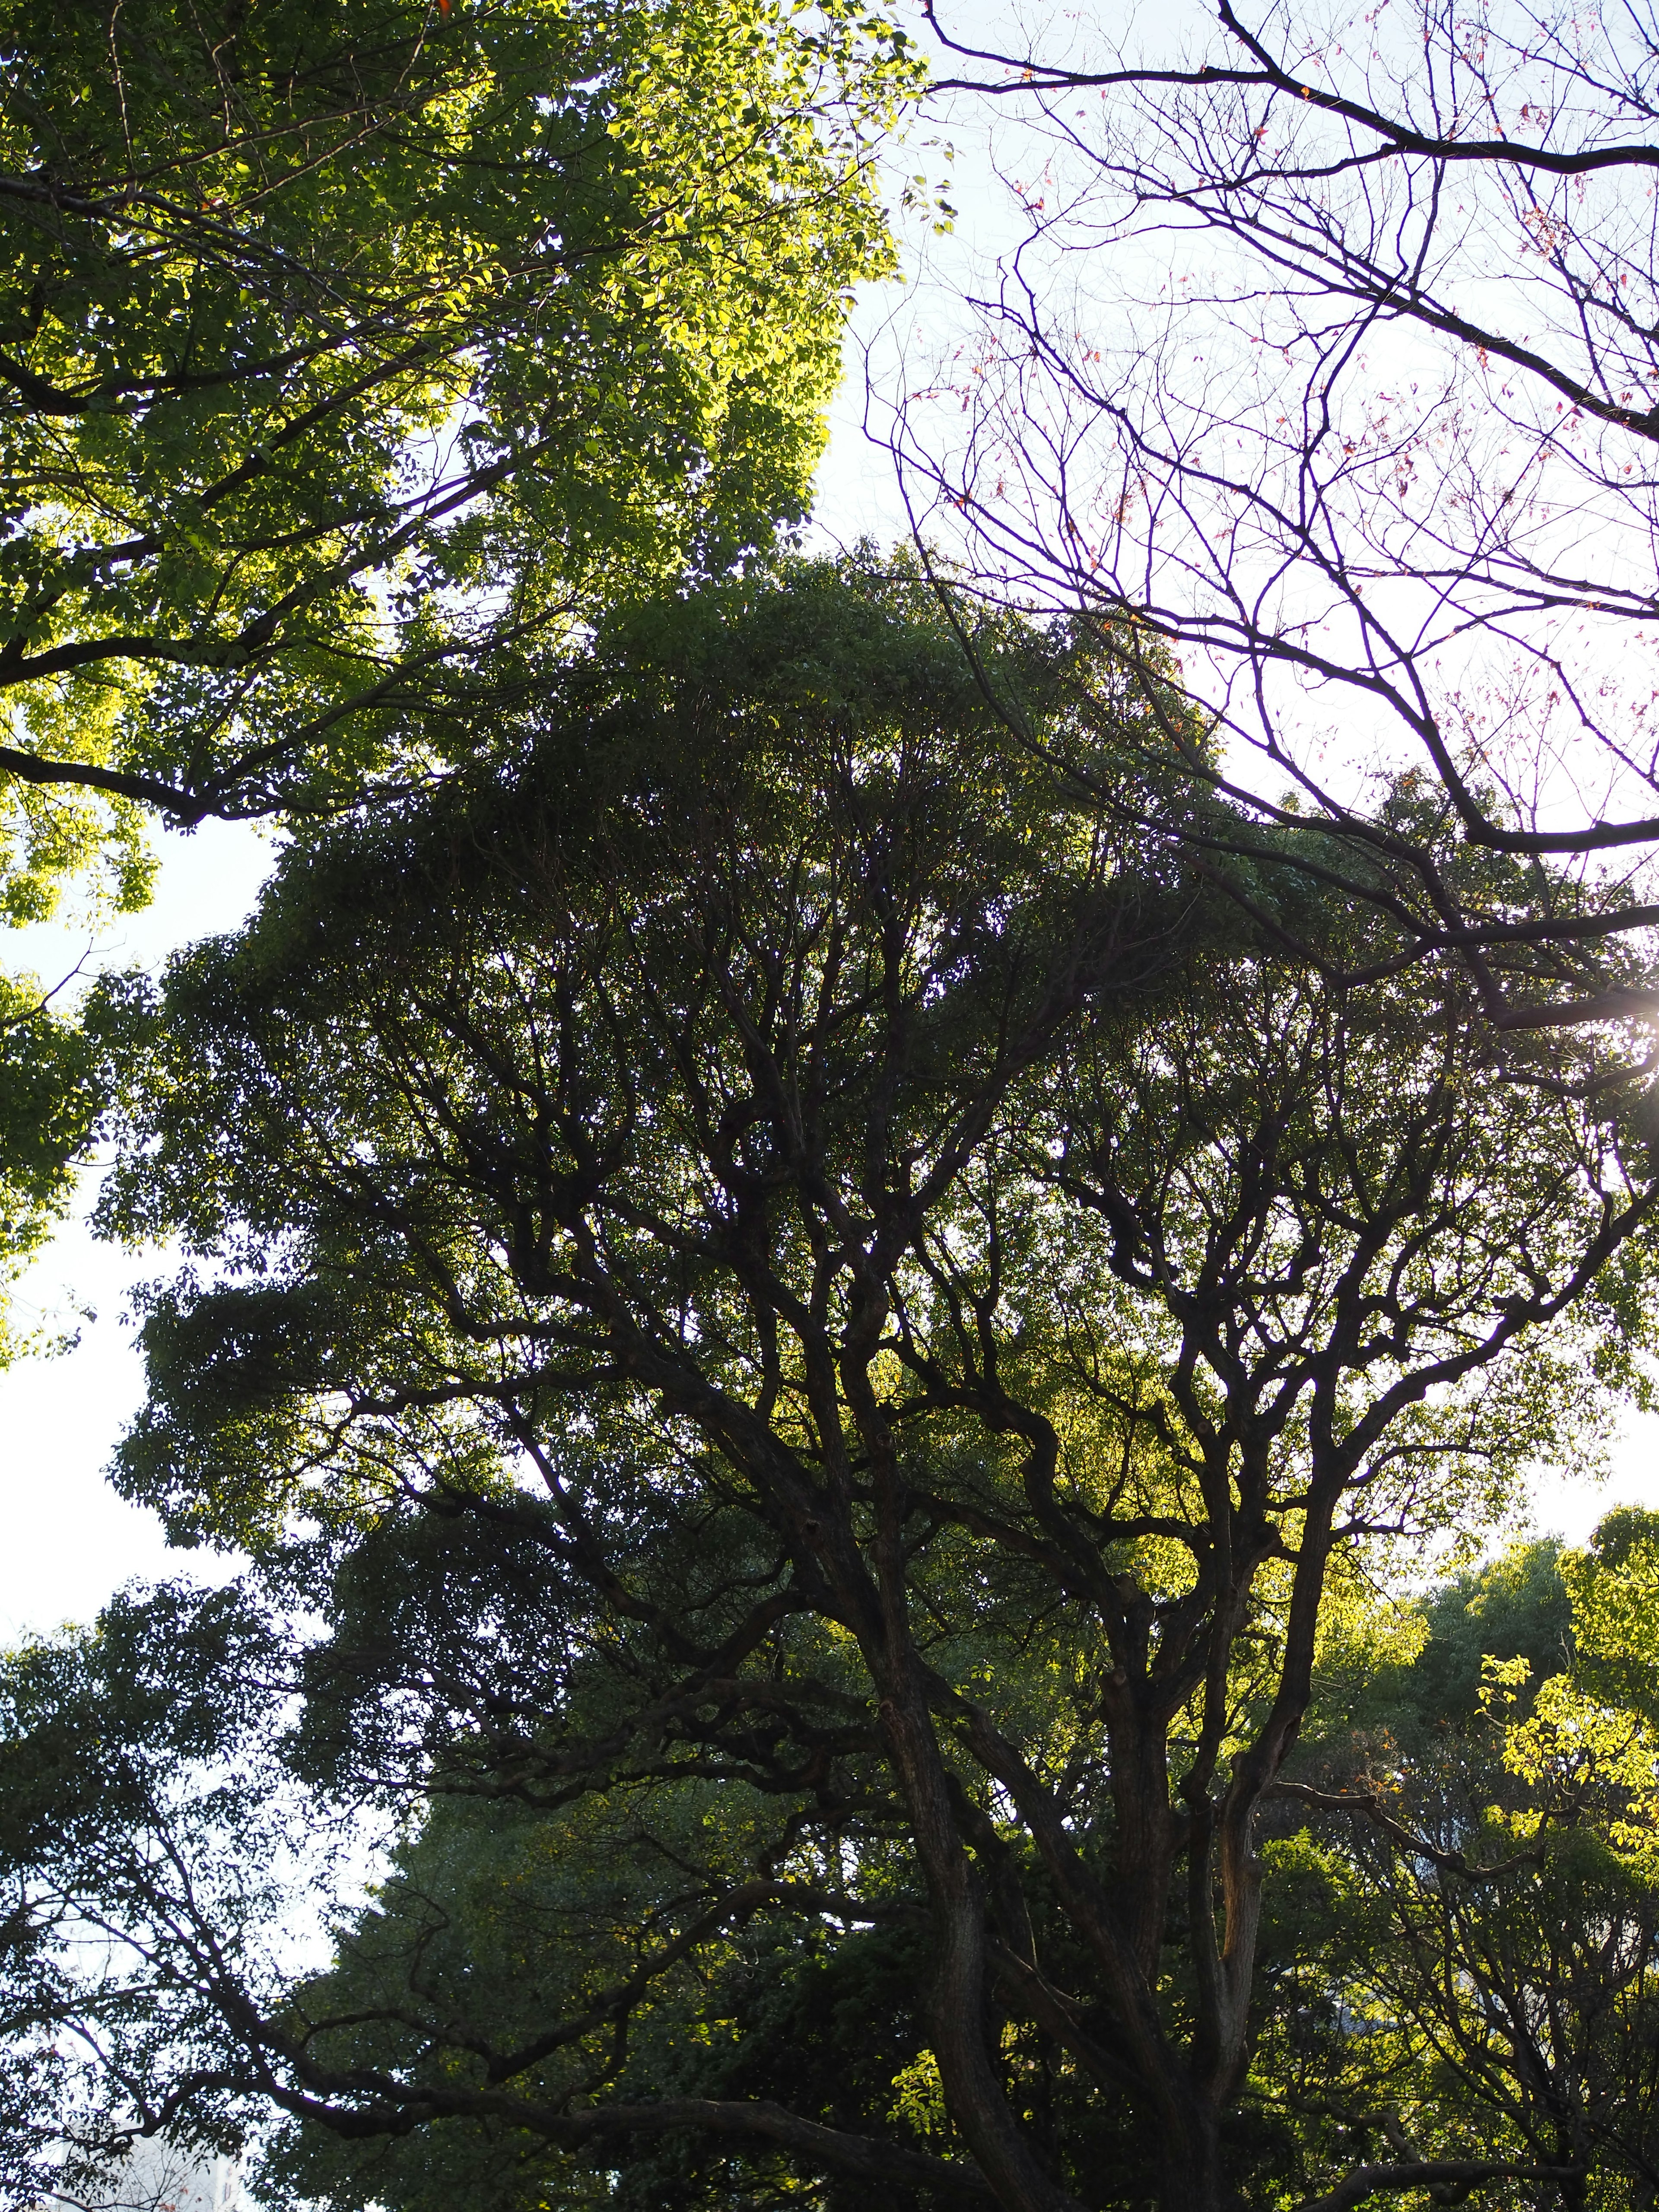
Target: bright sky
x: 70, y: 1542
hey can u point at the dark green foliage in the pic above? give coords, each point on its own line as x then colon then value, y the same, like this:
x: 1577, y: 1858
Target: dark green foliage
x: 797, y: 1329
x: 1515, y: 1606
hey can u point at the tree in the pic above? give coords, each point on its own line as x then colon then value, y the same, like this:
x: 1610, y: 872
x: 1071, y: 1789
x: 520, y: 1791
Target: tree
x: 1480, y: 1875
x: 1328, y: 352
x: 351, y: 349
x: 350, y: 355
x: 817, y: 1324
x: 1399, y: 1676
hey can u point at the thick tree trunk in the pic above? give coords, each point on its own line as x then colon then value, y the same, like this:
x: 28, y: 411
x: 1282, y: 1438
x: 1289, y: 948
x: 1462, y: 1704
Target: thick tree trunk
x: 1146, y: 1859
x: 1191, y: 2178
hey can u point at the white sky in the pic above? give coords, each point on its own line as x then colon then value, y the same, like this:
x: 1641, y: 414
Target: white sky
x: 69, y: 1541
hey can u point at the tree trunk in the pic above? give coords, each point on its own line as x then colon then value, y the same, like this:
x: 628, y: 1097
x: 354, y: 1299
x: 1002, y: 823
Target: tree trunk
x: 1191, y: 2177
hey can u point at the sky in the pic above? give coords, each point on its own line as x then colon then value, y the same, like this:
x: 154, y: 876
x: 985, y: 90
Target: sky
x: 69, y: 1541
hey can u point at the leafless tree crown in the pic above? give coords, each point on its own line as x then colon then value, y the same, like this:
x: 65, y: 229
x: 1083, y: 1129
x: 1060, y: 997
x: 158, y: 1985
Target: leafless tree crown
x: 1329, y: 351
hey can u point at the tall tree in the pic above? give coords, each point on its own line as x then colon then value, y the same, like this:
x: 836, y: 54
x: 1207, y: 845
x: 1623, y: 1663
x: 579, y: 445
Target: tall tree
x: 811, y: 1317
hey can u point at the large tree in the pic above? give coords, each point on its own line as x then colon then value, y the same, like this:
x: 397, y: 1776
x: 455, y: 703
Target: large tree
x: 809, y: 1325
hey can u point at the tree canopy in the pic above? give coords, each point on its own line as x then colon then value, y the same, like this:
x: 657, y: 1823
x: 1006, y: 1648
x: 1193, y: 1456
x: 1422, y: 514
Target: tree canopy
x: 349, y: 345
x: 1325, y: 343
x: 351, y: 356
x: 818, y: 1333
x: 832, y: 1281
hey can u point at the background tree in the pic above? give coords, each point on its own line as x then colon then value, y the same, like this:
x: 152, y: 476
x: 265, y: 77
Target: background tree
x: 811, y: 1318
x: 1328, y: 351
x: 1465, y: 1928
x: 52, y: 1088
